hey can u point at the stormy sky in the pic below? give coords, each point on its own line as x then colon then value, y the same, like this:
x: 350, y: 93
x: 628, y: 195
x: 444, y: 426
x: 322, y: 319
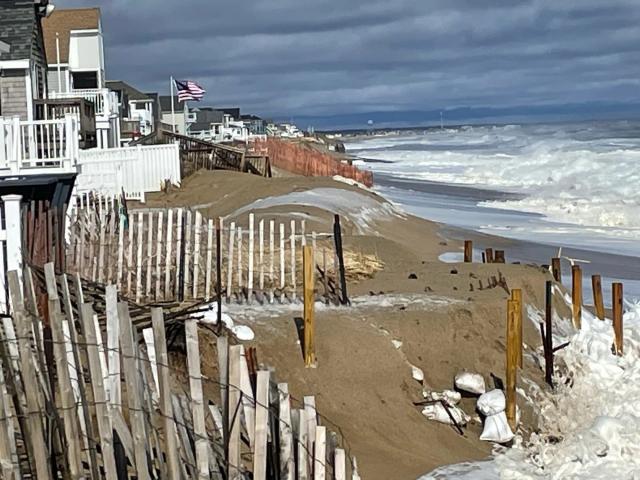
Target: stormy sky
x: 333, y: 57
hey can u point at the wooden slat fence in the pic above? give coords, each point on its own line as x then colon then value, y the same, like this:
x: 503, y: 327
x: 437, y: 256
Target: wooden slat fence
x: 157, y: 255
x: 109, y: 409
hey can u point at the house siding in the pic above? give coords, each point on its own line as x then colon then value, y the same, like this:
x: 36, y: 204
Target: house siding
x: 13, y: 94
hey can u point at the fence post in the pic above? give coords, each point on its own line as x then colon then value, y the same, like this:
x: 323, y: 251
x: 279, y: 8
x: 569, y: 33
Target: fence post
x: 511, y: 363
x: 556, y: 269
x: 618, y: 328
x: 13, y: 226
x: 250, y: 260
x: 261, y: 426
x: 232, y: 233
x: 468, y: 251
x: 309, y: 321
x: 287, y: 465
x: 598, y: 302
x: 548, y: 340
x: 233, y: 440
x: 337, y: 238
x: 320, y: 454
x: 576, y: 295
x: 516, y: 296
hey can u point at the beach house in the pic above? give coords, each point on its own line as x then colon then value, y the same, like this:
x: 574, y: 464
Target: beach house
x: 139, y: 112
x: 76, y: 69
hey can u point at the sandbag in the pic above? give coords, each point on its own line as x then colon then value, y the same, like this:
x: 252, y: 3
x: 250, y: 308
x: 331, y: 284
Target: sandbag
x: 450, y: 397
x: 496, y: 429
x: 470, y: 382
x: 492, y: 403
x: 438, y: 413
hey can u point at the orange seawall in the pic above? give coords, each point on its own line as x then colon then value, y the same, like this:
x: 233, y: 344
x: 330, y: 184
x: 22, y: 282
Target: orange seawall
x: 305, y: 161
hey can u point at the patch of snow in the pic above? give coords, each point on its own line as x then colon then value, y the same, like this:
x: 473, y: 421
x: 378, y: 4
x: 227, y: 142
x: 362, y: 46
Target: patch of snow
x: 452, y: 257
x: 470, y: 382
x: 484, y: 470
x: 417, y: 374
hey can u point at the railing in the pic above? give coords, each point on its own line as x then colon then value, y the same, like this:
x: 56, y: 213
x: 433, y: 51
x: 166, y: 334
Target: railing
x: 105, y: 101
x: 38, y: 146
x: 134, y: 170
x: 49, y: 109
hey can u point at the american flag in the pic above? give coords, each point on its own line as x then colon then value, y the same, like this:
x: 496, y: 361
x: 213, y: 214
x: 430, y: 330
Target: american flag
x: 188, y: 90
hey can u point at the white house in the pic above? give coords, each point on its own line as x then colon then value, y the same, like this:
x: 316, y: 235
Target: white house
x: 139, y: 111
x: 179, y: 116
x: 75, y: 57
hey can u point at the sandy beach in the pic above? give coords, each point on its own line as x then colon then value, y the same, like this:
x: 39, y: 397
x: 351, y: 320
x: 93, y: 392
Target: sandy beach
x: 440, y: 317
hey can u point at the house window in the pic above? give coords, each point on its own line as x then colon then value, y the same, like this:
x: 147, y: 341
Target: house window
x: 82, y: 80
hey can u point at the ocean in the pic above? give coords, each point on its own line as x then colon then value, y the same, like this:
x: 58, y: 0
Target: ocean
x: 573, y: 185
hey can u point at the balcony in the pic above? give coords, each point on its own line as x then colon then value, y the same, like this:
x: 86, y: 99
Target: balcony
x: 38, y: 147
x: 104, y: 100
x: 83, y: 110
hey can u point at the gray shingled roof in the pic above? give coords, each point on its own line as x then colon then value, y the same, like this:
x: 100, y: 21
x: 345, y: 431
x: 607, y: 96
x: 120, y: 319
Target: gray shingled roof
x: 132, y: 92
x: 17, y: 22
x: 165, y: 103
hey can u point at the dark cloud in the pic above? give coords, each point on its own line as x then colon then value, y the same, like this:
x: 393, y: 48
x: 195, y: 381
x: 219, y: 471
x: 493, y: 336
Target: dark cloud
x: 292, y: 57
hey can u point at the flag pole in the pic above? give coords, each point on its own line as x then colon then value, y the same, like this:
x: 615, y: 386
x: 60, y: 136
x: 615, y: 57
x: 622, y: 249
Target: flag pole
x: 173, y: 112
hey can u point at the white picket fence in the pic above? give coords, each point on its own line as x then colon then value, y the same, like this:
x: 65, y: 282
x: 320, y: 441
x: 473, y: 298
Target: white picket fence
x: 134, y: 170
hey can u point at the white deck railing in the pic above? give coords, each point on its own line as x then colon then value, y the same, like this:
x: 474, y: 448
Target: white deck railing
x: 134, y: 170
x: 105, y: 101
x: 38, y: 146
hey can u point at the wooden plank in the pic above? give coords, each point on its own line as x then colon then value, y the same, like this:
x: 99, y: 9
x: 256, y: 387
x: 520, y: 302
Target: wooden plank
x: 312, y: 423
x: 67, y: 398
x: 548, y: 337
x: 282, y: 257
x: 207, y: 278
x: 158, y: 291
x: 196, y: 254
x: 222, y: 348
x: 261, y: 426
x: 292, y: 240
x: 261, y: 255
x: 235, y: 354
x: 105, y: 428
x: 272, y: 278
x: 287, y: 464
x: 309, y: 305
x: 320, y: 454
x: 113, y: 347
x: 339, y: 465
x: 511, y: 363
x: 618, y: 328
x: 185, y: 443
x: 303, y: 446
x: 337, y: 238
x: 149, y: 262
x: 101, y: 247
x: 248, y: 401
x: 187, y: 251
x: 166, y: 408
x: 178, y: 250
x: 9, y: 464
x: 354, y: 469
x: 35, y: 441
x: 168, y: 256
x: 140, y: 237
x: 576, y: 295
x: 134, y: 401
x: 197, y: 401
x: 250, y: 258
x: 130, y: 253
x: 598, y: 301
x: 120, y: 252
x: 232, y: 232
x: 239, y: 265
x: 556, y: 269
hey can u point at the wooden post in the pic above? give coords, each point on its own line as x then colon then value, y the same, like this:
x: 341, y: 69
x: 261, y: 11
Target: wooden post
x: 197, y: 400
x: 282, y: 260
x: 548, y: 339
x: 261, y: 255
x: 337, y: 238
x: 179, y: 252
x: 261, y: 426
x: 222, y: 347
x: 556, y: 269
x: 320, y: 454
x: 287, y: 465
x: 309, y: 298
x: 248, y: 400
x: 303, y: 441
x: 158, y: 291
x: 207, y: 278
x: 293, y: 259
x: 312, y: 423
x: 512, y: 363
x: 516, y: 296
x: 489, y: 254
x: 232, y: 233
x: 272, y: 279
x: 233, y: 413
x: 598, y: 302
x: 129, y: 253
x: 169, y: 437
x: 468, y: 251
x: 120, y: 253
x: 105, y: 430
x: 576, y: 295
x: 251, y: 259
x: 340, y: 465
x: 134, y: 401
x: 168, y: 256
x: 187, y: 254
x: 617, y: 317
x: 140, y: 237
x: 219, y: 274
x: 240, y: 276
x: 149, y: 256
x: 499, y: 257
x: 196, y: 253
